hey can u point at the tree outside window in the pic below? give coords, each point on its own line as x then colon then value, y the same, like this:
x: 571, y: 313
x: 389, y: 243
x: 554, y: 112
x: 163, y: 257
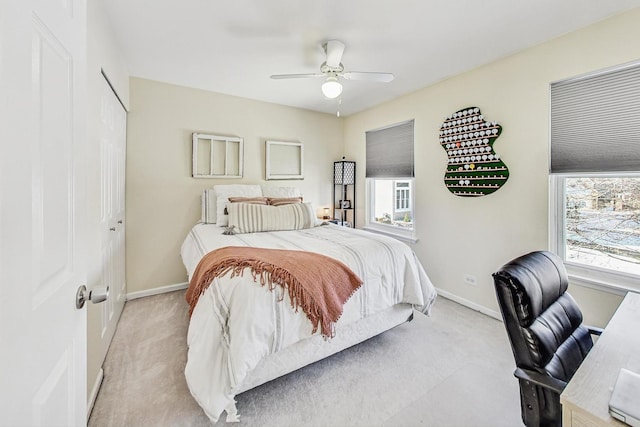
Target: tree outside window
x: 602, y: 222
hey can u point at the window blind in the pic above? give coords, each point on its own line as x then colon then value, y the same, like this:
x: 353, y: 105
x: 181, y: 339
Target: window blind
x: 390, y: 151
x: 595, y: 122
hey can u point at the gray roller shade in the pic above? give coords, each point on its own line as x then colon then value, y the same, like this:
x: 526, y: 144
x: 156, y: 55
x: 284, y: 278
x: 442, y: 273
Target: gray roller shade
x: 595, y: 122
x: 390, y: 151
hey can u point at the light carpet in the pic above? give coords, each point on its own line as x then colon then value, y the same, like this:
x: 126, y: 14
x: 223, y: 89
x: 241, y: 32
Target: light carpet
x: 454, y: 368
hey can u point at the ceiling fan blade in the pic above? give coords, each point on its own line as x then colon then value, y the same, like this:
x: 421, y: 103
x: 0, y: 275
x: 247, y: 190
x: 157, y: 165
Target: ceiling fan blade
x: 363, y: 75
x: 296, y: 76
x: 334, y: 50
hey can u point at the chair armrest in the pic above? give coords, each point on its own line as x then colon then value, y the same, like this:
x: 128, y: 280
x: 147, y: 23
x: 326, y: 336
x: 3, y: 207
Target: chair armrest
x: 594, y: 330
x: 537, y: 378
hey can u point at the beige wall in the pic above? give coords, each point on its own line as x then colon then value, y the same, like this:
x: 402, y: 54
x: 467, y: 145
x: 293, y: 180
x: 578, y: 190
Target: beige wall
x: 458, y: 235
x: 163, y: 200
x: 102, y: 54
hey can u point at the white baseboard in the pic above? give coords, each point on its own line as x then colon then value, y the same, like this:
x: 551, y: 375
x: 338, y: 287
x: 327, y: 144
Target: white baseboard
x: 94, y: 392
x: 157, y: 291
x: 470, y: 304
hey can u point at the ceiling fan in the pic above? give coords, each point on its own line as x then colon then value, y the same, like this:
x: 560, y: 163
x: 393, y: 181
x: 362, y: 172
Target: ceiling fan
x: 333, y: 69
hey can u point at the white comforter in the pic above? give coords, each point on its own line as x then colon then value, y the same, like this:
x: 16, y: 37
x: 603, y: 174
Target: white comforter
x: 237, y: 322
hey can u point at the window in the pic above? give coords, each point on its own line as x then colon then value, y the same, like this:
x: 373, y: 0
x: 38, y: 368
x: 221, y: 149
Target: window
x: 595, y: 176
x: 389, y: 172
x: 601, y: 217
x: 402, y: 196
x: 391, y: 201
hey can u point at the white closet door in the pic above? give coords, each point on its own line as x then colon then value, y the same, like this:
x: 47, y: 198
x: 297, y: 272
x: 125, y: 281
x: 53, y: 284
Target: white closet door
x: 113, y: 137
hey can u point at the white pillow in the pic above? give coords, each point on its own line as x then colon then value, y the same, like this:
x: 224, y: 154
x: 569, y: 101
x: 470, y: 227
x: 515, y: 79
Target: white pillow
x: 250, y: 218
x: 224, y: 191
x: 209, y: 206
x: 272, y: 191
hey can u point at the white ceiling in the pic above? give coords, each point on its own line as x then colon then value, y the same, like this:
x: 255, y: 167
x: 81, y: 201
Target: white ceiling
x: 233, y: 46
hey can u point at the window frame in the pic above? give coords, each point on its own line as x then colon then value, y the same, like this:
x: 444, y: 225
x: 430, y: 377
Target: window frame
x: 612, y: 281
x: 401, y: 191
x: 390, y: 230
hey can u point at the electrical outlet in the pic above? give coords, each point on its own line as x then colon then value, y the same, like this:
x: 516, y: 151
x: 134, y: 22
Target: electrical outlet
x: 470, y: 280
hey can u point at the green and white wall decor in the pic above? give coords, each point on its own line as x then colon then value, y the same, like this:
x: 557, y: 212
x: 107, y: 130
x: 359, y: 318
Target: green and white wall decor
x: 473, y: 168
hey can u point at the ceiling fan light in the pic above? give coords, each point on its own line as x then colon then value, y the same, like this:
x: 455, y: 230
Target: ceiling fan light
x: 332, y: 88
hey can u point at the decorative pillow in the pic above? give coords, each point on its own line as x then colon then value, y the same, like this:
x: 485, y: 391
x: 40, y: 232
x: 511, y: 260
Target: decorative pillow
x: 208, y: 201
x: 279, y: 201
x: 252, y: 200
x: 271, y: 191
x: 249, y: 218
x: 224, y: 191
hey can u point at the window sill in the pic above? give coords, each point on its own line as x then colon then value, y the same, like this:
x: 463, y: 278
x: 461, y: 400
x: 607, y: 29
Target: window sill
x: 600, y: 283
x: 403, y: 237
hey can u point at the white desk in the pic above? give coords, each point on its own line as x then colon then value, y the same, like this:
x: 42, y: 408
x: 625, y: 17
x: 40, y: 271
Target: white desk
x: 585, y: 400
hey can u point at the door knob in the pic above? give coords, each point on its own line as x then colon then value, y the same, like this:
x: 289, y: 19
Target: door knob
x: 112, y: 229
x: 96, y: 295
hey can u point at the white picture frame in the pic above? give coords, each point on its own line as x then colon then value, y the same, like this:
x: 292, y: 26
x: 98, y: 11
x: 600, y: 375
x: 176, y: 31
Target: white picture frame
x: 217, y: 156
x: 284, y: 160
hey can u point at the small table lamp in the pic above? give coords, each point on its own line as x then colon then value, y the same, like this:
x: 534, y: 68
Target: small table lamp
x: 326, y: 214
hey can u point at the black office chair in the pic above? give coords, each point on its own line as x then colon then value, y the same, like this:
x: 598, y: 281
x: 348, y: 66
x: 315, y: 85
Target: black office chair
x: 545, y: 329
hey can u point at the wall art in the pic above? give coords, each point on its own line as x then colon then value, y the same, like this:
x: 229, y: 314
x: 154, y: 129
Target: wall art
x: 217, y: 156
x: 474, y: 168
x: 284, y: 160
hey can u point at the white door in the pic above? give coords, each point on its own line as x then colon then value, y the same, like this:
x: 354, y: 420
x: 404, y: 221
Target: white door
x: 113, y: 140
x: 42, y: 212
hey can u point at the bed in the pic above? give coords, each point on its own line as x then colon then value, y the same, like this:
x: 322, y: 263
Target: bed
x: 242, y: 334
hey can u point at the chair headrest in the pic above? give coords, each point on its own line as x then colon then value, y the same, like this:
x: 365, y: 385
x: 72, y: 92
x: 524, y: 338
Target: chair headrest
x: 536, y: 279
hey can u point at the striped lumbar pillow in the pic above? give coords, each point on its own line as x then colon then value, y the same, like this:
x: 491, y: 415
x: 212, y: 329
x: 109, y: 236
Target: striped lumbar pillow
x: 251, y: 218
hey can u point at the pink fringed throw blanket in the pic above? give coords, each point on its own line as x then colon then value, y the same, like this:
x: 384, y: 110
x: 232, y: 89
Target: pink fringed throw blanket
x: 318, y: 284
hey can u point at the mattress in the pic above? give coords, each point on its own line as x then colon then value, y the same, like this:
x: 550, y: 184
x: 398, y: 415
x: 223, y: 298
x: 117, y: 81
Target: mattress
x: 242, y: 335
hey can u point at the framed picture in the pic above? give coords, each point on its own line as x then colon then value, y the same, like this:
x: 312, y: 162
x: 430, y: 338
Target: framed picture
x: 217, y: 156
x: 345, y: 204
x: 284, y: 160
